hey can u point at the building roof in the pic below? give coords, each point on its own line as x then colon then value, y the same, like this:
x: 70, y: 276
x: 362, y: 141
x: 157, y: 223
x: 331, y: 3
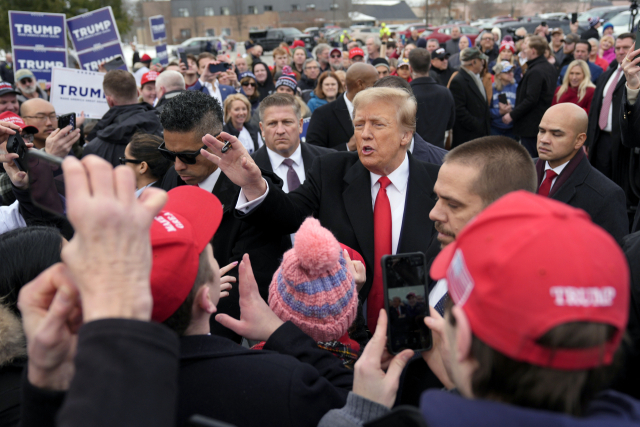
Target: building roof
x: 400, y: 10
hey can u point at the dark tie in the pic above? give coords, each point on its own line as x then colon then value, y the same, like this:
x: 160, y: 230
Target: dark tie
x: 382, y: 246
x: 546, y: 184
x: 292, y: 177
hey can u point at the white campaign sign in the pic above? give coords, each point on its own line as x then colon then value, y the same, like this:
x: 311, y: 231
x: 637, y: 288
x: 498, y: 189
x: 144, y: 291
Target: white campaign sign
x: 74, y: 91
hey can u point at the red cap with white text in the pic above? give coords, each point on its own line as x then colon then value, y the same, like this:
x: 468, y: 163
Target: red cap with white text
x: 151, y: 76
x: 527, y: 264
x: 10, y: 117
x: 179, y: 234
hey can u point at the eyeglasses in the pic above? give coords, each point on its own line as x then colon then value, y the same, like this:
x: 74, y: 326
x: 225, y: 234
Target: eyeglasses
x: 188, y: 158
x: 311, y: 68
x: 249, y: 84
x: 43, y: 117
x: 124, y: 161
x: 487, y: 38
x: 26, y: 80
x: 336, y: 56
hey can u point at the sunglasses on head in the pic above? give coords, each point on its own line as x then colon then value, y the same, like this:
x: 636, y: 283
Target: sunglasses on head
x: 188, y: 158
x: 249, y: 84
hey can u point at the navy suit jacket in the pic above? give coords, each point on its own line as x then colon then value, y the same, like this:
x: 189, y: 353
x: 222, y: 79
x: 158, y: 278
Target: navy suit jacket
x: 422, y: 150
x: 596, y: 71
x: 224, y: 90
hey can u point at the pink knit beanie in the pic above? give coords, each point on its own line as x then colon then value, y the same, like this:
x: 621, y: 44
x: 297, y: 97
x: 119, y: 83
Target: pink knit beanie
x: 313, y: 287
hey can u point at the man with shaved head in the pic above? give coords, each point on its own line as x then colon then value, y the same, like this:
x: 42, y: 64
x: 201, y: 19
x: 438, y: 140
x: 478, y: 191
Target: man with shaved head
x: 40, y: 113
x: 565, y: 174
x: 168, y: 84
x: 331, y: 125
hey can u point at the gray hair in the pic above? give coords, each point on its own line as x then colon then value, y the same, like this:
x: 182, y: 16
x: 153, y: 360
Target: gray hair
x: 307, y: 61
x: 321, y: 48
x: 376, y: 40
x: 170, y: 80
x: 433, y: 40
x: 593, y: 39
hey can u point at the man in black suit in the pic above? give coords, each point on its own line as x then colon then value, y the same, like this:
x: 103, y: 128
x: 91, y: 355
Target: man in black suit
x: 345, y: 190
x: 436, y: 108
x: 630, y: 124
x: 472, y: 108
x: 565, y: 174
x: 186, y: 118
x: 331, y: 124
x: 604, y: 141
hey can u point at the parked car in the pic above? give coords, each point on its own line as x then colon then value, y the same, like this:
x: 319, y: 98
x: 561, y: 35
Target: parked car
x: 532, y: 23
x: 605, y: 13
x: 271, y: 39
x: 443, y: 33
x: 360, y: 33
x: 620, y: 23
x: 197, y: 45
x: 406, y: 29
x: 555, y: 16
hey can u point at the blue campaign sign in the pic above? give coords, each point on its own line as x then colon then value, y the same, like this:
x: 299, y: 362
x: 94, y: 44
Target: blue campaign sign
x: 158, y: 30
x: 41, y: 30
x: 162, y: 54
x: 93, y: 28
x: 39, y: 61
x: 91, y: 60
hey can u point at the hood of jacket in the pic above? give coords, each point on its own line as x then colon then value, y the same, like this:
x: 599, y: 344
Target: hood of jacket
x: 121, y: 122
x: 609, y: 408
x: 12, y: 341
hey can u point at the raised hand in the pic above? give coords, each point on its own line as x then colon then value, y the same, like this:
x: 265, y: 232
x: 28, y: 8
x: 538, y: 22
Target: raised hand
x: 631, y: 69
x: 60, y: 141
x: 438, y: 357
x: 226, y: 281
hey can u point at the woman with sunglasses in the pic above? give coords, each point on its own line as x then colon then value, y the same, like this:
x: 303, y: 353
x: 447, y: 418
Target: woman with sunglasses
x: 148, y: 164
x: 236, y: 118
x: 249, y: 88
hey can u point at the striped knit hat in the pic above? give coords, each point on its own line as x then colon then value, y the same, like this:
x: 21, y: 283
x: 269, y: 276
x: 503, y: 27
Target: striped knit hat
x: 287, y: 78
x: 313, y: 287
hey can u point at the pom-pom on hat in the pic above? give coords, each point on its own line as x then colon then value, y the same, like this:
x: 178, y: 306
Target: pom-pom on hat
x: 313, y: 287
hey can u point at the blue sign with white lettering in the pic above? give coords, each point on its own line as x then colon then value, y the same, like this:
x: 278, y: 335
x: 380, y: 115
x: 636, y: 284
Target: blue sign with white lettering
x: 158, y: 30
x: 93, y: 28
x: 162, y: 54
x: 39, y: 61
x: 92, y: 59
x: 41, y: 30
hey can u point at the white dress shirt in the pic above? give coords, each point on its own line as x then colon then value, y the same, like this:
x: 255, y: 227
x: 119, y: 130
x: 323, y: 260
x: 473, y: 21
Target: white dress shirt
x: 140, y: 190
x: 246, y: 140
x: 557, y: 170
x: 10, y: 218
x: 210, y: 181
x: 604, y: 94
x: 214, y: 90
x: 281, y: 169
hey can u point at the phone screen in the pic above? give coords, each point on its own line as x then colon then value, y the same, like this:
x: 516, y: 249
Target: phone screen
x: 219, y: 68
x: 574, y: 18
x: 406, y: 301
x: 114, y: 64
x: 66, y: 120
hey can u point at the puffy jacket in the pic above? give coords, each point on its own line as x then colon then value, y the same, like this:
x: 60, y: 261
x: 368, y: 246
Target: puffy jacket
x: 315, y: 102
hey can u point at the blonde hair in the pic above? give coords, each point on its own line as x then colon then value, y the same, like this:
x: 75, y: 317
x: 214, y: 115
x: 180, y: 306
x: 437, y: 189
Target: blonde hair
x: 235, y: 97
x: 607, y: 37
x: 584, y: 84
x: 404, y: 102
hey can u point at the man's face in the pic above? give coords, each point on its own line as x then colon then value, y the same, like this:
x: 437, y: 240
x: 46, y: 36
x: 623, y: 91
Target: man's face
x: 622, y: 47
x: 357, y: 58
x: 9, y: 102
x: 432, y: 45
x: 281, y: 130
x: 323, y: 57
x: 371, y: 47
x: 189, y: 142
x: 281, y: 61
x: 414, y: 34
x: 381, y: 142
x: 9, y: 58
x: 193, y: 67
x: 312, y: 70
x: 241, y: 65
x: 395, y: 302
x: 440, y: 64
x: 581, y: 52
x: 42, y: 115
x: 148, y: 92
x: 556, y: 39
x: 404, y: 71
x: 557, y: 141
x: 335, y: 59
x: 457, y: 202
x: 382, y: 71
x: 27, y: 85
x: 487, y: 41
x: 205, y: 75
x: 568, y: 48
x: 412, y: 301
x: 455, y: 33
x: 285, y: 89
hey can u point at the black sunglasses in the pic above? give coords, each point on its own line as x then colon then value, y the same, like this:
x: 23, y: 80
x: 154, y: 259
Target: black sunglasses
x: 124, y: 161
x: 188, y: 158
x: 336, y: 56
x: 249, y: 84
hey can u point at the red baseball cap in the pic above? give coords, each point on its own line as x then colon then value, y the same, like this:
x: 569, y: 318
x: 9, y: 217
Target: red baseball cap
x: 179, y: 234
x: 10, y: 117
x: 356, y: 51
x: 527, y: 264
x: 297, y: 43
x: 145, y: 58
x: 335, y: 49
x: 151, y: 76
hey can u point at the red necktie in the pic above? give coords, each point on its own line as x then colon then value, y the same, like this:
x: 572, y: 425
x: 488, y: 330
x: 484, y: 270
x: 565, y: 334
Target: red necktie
x: 382, y: 246
x: 546, y: 184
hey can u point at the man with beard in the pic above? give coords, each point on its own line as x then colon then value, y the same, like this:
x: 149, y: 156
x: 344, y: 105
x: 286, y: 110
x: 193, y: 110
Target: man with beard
x: 474, y: 175
x: 28, y: 87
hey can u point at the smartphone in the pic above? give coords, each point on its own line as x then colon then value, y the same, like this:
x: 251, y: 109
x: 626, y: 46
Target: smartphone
x: 574, y: 17
x: 543, y: 23
x: 503, y: 98
x: 200, y: 421
x: 406, y: 299
x: 183, y: 56
x: 114, y: 64
x: 16, y: 144
x: 66, y: 120
x: 220, y: 67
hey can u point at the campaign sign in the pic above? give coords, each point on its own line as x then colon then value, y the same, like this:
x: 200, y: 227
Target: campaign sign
x: 162, y: 54
x: 39, y: 61
x: 41, y: 30
x: 93, y: 28
x: 73, y: 91
x: 158, y: 30
x: 91, y: 60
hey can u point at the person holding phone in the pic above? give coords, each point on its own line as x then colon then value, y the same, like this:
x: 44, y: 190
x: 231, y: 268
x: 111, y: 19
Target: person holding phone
x: 504, y: 98
x: 208, y: 82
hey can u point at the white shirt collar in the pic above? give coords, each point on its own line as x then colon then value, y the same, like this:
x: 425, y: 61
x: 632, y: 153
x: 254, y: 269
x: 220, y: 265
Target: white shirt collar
x: 349, y: 106
x: 413, y: 140
x: 557, y: 169
x: 399, y: 177
x: 276, y: 159
x: 210, y: 181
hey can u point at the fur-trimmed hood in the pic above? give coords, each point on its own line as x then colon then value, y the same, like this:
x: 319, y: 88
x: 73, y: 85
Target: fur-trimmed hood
x: 12, y: 340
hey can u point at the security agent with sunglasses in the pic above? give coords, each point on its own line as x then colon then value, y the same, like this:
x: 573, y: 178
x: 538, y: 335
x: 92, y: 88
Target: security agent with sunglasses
x: 186, y: 119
